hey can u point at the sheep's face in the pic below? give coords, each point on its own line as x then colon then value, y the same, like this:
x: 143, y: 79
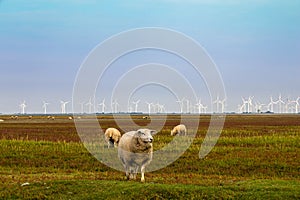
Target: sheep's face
x: 145, y: 135
x: 172, y: 132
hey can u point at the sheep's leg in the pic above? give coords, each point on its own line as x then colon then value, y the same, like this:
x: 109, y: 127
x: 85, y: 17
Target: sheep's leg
x: 142, y: 173
x: 115, y: 145
x: 110, y: 142
x: 127, y: 172
x: 131, y: 176
x: 135, y: 172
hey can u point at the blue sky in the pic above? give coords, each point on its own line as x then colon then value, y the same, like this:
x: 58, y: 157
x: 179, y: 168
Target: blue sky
x: 255, y: 44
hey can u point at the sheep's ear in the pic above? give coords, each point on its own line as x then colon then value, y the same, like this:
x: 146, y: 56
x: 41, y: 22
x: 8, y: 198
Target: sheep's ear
x: 153, y: 132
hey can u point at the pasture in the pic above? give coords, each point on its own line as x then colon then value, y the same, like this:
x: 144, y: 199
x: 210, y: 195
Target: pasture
x: 256, y: 157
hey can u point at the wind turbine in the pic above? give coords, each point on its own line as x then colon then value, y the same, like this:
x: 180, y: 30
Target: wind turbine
x: 136, y: 105
x: 217, y: 101
x: 114, y: 106
x: 287, y: 106
x: 222, y: 102
x: 280, y: 102
x: 249, y: 109
x: 102, y: 104
x: 129, y: 108
x: 162, y: 108
x: 271, y: 105
x: 95, y: 105
x: 157, y: 106
x: 296, y: 105
x: 244, y: 106
x: 241, y: 107
x: 82, y: 107
x: 45, y: 104
x: 180, y: 104
x: 23, y: 106
x: 258, y: 106
x: 89, y: 104
x: 149, y: 107
x: 204, y: 109
x: 199, y: 106
x: 187, y: 105
x: 63, y: 106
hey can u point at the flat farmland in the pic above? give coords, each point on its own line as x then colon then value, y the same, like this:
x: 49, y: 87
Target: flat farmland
x: 256, y: 157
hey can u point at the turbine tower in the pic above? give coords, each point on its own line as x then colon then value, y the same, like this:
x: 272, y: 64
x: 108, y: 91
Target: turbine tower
x: 271, y: 105
x: 114, y: 106
x: 296, y: 105
x: 149, y: 107
x: 244, y: 106
x: 82, y: 107
x: 199, y: 106
x: 187, y: 105
x: 222, y: 102
x: 180, y: 104
x: 162, y: 108
x: 95, y: 105
x: 90, y: 105
x: 136, y: 105
x: 63, y: 106
x: 250, y: 104
x: 45, y: 104
x: 287, y: 106
x: 280, y: 102
x: 205, y: 109
x: 258, y: 106
x: 102, y: 104
x: 23, y: 106
x: 217, y: 101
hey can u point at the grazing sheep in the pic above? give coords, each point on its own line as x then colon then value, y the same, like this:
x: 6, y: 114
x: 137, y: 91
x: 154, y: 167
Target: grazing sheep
x: 112, y: 137
x: 135, y: 151
x: 145, y: 117
x: 48, y: 117
x: 29, y: 117
x: 1, y: 120
x: 14, y: 117
x: 179, y: 129
x: 53, y: 118
x: 70, y: 118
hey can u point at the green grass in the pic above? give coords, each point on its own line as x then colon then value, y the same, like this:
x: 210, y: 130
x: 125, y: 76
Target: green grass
x: 255, y: 158
x: 87, y: 189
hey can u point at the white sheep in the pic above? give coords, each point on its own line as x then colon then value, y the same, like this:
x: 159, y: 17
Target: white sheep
x: 135, y: 151
x: 14, y: 117
x: 112, y: 137
x: 1, y: 120
x: 179, y: 129
x: 70, y: 118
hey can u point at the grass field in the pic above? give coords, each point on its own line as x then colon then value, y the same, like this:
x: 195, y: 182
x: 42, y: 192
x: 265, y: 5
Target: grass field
x: 256, y: 157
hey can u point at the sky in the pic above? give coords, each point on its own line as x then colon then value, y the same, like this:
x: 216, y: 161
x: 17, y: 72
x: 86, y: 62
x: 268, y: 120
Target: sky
x: 255, y: 45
